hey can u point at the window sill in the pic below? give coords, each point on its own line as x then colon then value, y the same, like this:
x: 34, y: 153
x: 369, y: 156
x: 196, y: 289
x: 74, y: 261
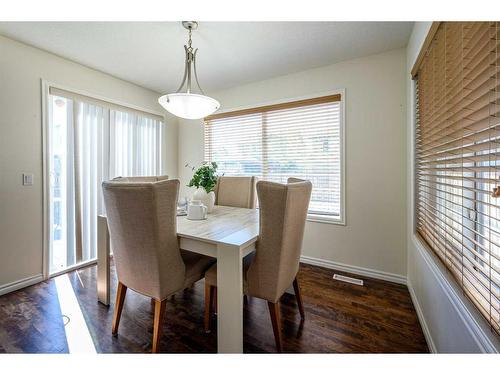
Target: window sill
x: 326, y: 219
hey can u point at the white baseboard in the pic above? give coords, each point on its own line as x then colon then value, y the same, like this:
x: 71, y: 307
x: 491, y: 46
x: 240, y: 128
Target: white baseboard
x: 368, y: 272
x: 23, y: 283
x: 421, y: 319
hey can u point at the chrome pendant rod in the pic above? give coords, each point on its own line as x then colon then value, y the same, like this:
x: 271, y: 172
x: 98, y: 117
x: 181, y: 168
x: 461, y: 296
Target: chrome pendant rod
x: 195, y: 73
x: 189, y: 67
x: 186, y: 67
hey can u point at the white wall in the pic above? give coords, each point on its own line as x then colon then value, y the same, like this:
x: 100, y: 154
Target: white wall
x: 375, y: 157
x: 21, y: 69
x: 450, y: 322
x: 379, y: 194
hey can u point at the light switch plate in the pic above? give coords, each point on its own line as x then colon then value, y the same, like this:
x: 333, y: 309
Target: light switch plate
x: 27, y: 179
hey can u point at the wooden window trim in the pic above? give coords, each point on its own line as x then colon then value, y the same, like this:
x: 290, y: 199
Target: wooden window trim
x: 276, y: 107
x: 425, y: 47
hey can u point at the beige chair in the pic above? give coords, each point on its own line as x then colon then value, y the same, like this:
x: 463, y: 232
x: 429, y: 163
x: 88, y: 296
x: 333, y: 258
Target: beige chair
x: 141, y: 178
x: 274, y: 266
x: 231, y: 191
x: 142, y: 225
x: 236, y: 191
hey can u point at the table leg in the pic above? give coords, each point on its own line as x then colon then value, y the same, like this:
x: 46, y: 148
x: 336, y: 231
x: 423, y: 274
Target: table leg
x: 229, y: 299
x: 103, y: 261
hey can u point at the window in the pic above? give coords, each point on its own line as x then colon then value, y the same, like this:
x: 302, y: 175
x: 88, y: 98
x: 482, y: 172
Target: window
x: 302, y: 139
x: 90, y: 141
x: 458, y: 157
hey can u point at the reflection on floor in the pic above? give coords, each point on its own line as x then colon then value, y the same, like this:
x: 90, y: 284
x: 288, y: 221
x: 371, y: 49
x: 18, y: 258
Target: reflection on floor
x: 75, y: 328
x: 62, y: 315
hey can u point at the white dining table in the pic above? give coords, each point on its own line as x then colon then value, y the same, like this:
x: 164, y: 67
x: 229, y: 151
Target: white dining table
x: 228, y: 234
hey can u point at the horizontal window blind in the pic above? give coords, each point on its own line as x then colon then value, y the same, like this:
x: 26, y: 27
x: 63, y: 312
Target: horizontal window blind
x: 299, y: 139
x: 458, y: 157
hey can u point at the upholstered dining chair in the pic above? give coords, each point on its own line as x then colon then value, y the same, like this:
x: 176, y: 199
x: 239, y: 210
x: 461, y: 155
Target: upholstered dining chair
x: 141, y: 178
x: 236, y: 191
x: 143, y: 231
x: 232, y: 191
x: 275, y: 263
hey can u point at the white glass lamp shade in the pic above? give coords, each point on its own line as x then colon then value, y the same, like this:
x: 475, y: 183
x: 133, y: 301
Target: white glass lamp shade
x: 189, y: 106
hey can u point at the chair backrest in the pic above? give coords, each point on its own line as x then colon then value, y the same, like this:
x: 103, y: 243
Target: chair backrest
x: 141, y: 178
x: 142, y: 222
x: 236, y: 191
x: 282, y: 215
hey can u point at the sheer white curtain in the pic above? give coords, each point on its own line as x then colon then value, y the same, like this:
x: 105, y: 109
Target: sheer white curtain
x: 90, y: 169
x: 135, y: 147
x: 92, y: 141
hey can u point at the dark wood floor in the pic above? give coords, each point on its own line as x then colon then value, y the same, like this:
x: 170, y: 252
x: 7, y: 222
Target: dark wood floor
x: 340, y: 318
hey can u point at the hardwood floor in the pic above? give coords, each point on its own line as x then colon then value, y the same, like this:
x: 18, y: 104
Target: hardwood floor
x: 340, y: 318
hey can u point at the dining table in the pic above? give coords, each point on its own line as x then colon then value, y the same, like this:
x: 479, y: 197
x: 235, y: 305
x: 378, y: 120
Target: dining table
x: 227, y: 234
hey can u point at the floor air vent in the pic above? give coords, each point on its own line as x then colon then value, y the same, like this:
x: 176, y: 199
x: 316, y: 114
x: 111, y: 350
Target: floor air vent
x: 347, y: 279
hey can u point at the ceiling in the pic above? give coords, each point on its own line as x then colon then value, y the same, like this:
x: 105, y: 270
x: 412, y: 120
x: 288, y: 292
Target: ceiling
x: 151, y: 54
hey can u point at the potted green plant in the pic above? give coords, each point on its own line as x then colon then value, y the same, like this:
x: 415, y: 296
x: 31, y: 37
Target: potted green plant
x: 204, y: 180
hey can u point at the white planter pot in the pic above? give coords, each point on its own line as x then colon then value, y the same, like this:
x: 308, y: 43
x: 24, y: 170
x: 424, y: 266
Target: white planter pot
x: 208, y: 199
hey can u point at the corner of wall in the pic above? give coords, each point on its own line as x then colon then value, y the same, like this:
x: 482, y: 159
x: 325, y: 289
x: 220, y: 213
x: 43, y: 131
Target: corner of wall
x: 171, y: 140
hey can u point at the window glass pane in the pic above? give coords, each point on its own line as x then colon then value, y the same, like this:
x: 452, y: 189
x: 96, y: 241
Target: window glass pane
x: 59, y: 111
x: 302, y: 142
x: 305, y: 143
x: 236, y: 145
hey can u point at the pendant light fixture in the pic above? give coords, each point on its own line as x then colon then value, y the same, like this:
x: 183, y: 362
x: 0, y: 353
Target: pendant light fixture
x: 184, y: 102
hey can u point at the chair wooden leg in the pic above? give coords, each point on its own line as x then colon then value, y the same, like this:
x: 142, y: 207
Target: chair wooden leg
x: 120, y: 299
x: 209, y: 302
x: 274, y: 310
x: 298, y: 296
x: 215, y: 300
x: 158, y: 323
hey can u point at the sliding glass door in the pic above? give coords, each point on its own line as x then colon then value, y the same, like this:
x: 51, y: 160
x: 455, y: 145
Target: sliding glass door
x: 61, y: 213
x: 89, y: 143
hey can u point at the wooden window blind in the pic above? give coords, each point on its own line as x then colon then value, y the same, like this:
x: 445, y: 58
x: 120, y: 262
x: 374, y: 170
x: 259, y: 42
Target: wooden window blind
x: 297, y: 139
x: 458, y: 157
